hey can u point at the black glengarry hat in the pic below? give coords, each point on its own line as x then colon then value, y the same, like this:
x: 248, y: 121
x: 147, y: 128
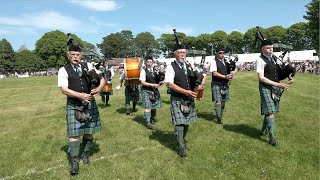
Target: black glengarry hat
x: 74, y: 47
x: 219, y: 49
x: 266, y: 42
x: 179, y: 46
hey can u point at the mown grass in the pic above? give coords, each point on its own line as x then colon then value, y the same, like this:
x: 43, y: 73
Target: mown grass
x: 33, y: 136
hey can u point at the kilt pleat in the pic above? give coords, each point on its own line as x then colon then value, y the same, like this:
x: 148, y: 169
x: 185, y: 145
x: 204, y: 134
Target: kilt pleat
x: 216, y: 93
x: 132, y: 94
x: 76, y: 128
x: 182, y: 118
x: 146, y: 103
x: 268, y: 105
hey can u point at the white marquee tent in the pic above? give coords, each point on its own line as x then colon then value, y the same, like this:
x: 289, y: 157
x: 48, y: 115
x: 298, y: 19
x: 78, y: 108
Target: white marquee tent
x: 307, y: 55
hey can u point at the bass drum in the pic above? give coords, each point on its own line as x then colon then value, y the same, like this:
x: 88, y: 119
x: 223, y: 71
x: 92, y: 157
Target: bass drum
x: 132, y: 70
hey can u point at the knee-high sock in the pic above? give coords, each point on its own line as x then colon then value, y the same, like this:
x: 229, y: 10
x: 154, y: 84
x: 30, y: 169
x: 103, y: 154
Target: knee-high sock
x: 217, y: 108
x: 128, y: 106
x: 185, y: 131
x: 153, y: 113
x: 222, y: 108
x: 134, y: 104
x: 270, y: 125
x: 147, y: 116
x: 74, y: 148
x: 179, y: 132
x: 103, y: 99
x: 87, y: 143
x: 264, y: 125
x: 107, y: 99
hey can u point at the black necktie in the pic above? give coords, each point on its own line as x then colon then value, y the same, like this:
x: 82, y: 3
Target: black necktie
x: 77, y: 70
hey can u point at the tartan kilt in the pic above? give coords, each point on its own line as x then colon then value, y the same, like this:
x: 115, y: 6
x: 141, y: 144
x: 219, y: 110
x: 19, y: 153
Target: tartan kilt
x: 268, y: 105
x: 180, y: 118
x: 146, y: 103
x: 132, y: 95
x: 76, y: 128
x: 216, y: 94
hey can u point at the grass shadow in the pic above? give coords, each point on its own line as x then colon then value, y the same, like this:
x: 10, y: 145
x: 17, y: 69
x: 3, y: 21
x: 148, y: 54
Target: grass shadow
x: 165, y: 101
x: 209, y: 116
x: 245, y: 130
x: 121, y: 110
x: 166, y: 138
x: 94, y: 149
x: 139, y: 119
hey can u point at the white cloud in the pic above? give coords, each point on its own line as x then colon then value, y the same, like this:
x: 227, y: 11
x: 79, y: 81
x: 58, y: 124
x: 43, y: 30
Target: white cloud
x: 100, y: 23
x: 52, y: 20
x: 3, y: 31
x: 11, y: 21
x: 97, y: 5
x: 49, y: 20
x: 169, y: 29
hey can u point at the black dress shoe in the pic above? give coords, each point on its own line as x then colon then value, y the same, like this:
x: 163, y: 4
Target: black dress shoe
x: 219, y: 120
x: 273, y: 141
x: 149, y: 126
x: 128, y: 112
x: 185, y: 146
x: 85, y: 158
x: 182, y: 151
x: 74, y: 170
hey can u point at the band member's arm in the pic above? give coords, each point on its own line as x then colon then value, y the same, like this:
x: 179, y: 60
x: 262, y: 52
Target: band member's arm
x: 203, y: 82
x: 180, y: 90
x: 218, y: 75
x: 82, y: 96
x: 149, y: 84
x: 265, y: 80
x: 215, y: 73
x: 233, y: 73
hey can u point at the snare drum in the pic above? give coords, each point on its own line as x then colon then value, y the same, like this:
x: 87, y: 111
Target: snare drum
x: 132, y: 70
x: 107, y: 87
x: 132, y: 81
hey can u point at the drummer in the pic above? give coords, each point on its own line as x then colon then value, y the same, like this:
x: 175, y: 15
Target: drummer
x: 150, y: 94
x: 108, y: 74
x: 131, y: 93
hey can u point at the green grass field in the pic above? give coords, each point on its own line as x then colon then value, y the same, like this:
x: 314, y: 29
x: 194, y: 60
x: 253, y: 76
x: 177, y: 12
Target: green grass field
x: 33, y: 135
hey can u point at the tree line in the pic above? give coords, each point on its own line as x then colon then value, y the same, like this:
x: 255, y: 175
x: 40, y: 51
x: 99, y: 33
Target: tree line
x: 50, y: 50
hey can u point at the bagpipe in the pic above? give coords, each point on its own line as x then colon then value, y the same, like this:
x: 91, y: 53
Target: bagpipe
x: 159, y: 76
x: 91, y: 76
x: 231, y: 64
x: 285, y: 69
x: 195, y: 76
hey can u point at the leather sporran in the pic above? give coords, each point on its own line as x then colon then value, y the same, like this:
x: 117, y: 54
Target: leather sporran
x: 276, y: 94
x: 152, y: 96
x: 223, y: 90
x: 82, y: 113
x: 185, y: 106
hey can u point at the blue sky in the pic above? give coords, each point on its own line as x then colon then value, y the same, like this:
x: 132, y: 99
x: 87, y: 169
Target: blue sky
x: 23, y: 22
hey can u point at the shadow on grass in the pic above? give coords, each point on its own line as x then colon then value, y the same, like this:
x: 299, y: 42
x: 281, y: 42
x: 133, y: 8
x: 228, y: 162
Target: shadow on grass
x: 94, y: 149
x: 122, y: 110
x: 244, y: 129
x: 166, y: 101
x: 209, y: 116
x: 139, y: 119
x: 166, y: 138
